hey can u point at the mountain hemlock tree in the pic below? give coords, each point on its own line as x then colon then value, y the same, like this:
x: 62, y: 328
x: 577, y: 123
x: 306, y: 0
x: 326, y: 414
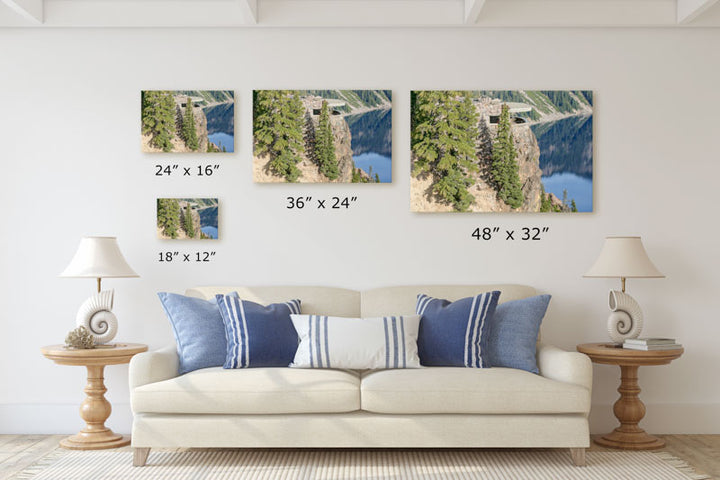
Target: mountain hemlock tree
x: 188, y: 222
x: 278, y: 130
x: 189, y: 133
x: 168, y: 216
x: 504, y: 169
x: 443, y: 141
x: 545, y: 202
x: 158, y: 118
x: 325, y: 145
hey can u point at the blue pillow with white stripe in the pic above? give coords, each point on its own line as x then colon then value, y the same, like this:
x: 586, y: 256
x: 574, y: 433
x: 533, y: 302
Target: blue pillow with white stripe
x: 257, y: 335
x: 455, y: 334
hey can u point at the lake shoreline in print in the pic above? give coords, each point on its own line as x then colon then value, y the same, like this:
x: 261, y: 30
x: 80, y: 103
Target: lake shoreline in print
x: 371, y: 143
x: 566, y: 159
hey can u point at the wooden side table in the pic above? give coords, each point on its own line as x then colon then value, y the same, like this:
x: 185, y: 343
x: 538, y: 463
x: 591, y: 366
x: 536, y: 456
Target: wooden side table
x: 95, y: 409
x: 629, y: 410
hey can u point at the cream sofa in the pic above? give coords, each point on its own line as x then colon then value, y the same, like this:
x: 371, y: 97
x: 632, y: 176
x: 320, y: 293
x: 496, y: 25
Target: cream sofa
x: 434, y: 407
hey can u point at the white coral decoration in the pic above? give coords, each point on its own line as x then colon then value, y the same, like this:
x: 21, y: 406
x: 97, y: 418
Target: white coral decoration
x: 95, y: 314
x: 626, y: 319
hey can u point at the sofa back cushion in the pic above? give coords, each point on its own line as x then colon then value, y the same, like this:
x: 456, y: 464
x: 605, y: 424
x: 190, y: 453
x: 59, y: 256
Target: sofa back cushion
x: 401, y: 300
x: 315, y: 300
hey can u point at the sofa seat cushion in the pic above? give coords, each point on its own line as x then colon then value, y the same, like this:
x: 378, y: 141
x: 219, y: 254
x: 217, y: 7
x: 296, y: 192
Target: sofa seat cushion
x: 252, y: 391
x: 469, y: 390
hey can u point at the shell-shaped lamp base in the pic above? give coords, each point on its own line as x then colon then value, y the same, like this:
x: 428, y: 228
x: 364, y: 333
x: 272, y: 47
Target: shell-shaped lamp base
x: 96, y: 315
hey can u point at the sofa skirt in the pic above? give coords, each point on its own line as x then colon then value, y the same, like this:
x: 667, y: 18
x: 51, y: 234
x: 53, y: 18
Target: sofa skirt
x: 360, y: 430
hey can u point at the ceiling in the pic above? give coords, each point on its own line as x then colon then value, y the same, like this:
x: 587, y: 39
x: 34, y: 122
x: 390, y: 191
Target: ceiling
x: 359, y: 13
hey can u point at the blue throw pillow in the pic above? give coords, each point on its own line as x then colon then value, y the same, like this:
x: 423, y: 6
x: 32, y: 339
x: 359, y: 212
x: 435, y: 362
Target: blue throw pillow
x: 199, y: 331
x: 454, y: 334
x: 258, y: 336
x: 514, y: 332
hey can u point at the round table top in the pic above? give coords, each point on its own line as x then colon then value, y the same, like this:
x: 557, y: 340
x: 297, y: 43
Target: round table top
x: 612, y: 354
x: 112, y: 354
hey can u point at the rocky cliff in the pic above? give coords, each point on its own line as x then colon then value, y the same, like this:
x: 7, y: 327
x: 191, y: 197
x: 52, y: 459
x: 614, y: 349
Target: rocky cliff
x: 528, y: 160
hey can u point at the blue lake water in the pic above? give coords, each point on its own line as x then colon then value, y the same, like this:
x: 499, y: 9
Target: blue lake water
x: 566, y: 158
x: 380, y: 164
x: 211, y: 232
x: 223, y: 140
x: 578, y: 188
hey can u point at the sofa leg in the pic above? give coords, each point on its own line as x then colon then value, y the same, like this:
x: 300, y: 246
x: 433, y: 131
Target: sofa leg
x: 140, y: 456
x: 578, y: 456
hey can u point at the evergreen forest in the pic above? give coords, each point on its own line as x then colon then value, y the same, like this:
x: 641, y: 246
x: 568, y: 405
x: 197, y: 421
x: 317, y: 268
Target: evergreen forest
x: 176, y: 217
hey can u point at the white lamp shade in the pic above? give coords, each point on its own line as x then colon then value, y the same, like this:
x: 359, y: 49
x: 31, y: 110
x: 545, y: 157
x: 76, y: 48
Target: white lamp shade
x: 623, y: 257
x: 98, y: 257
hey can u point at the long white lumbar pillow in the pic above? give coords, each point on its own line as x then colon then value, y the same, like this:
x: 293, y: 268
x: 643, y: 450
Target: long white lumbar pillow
x: 356, y: 343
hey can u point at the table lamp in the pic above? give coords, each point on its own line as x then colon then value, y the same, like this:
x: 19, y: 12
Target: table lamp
x: 98, y: 257
x: 623, y: 257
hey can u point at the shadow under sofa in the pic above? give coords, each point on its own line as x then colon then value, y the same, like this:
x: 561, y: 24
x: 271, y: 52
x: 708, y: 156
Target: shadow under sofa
x: 429, y: 407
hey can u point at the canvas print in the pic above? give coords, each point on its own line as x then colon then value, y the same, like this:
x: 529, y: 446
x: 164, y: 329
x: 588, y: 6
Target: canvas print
x: 188, y: 121
x: 317, y: 136
x: 502, y: 151
x: 187, y: 218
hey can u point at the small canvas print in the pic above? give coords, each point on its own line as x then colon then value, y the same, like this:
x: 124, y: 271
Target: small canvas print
x: 318, y: 136
x: 502, y: 151
x: 188, y: 121
x: 187, y: 218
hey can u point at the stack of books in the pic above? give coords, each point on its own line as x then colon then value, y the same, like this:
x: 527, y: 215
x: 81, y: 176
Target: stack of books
x: 651, y: 344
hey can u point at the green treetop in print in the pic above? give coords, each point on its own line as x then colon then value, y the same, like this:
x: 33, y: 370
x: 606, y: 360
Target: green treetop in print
x: 278, y: 130
x: 504, y: 168
x: 189, y: 133
x: 158, y: 118
x: 325, y: 145
x: 444, y: 143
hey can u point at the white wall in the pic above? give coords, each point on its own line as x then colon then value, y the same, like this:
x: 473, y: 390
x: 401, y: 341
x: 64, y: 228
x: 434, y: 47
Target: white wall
x: 70, y: 165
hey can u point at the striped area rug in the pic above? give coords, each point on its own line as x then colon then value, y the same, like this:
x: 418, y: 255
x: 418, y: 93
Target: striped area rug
x: 356, y: 464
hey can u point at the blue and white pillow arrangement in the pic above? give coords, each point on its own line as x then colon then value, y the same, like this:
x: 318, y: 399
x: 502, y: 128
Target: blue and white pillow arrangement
x: 454, y: 334
x: 356, y: 343
x: 257, y: 335
x: 473, y: 332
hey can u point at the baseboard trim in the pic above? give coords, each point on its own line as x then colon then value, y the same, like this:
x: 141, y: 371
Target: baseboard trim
x: 38, y: 418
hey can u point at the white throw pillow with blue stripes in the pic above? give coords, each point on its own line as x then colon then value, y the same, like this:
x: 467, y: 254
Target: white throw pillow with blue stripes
x: 356, y: 343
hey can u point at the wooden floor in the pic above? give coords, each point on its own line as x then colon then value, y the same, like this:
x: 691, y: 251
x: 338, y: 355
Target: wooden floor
x: 20, y: 451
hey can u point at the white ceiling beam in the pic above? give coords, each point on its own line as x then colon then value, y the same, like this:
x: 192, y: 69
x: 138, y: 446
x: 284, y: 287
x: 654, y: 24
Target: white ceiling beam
x: 31, y: 10
x: 250, y: 7
x: 689, y: 10
x: 578, y: 13
x: 472, y: 10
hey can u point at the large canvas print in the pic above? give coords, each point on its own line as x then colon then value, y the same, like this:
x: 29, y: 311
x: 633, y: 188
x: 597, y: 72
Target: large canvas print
x: 317, y: 136
x: 188, y: 121
x: 502, y: 151
x: 187, y: 218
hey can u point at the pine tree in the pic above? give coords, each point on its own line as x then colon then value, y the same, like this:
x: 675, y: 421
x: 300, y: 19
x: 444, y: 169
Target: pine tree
x: 189, y: 132
x: 158, y: 118
x: 325, y: 145
x: 443, y: 138
x: 278, y: 130
x: 504, y: 169
x: 377, y: 178
x: 168, y: 216
x: 573, y: 206
x: 545, y: 203
x: 188, y: 222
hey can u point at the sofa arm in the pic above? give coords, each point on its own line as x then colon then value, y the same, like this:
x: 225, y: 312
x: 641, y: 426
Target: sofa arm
x: 563, y: 366
x: 151, y: 367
